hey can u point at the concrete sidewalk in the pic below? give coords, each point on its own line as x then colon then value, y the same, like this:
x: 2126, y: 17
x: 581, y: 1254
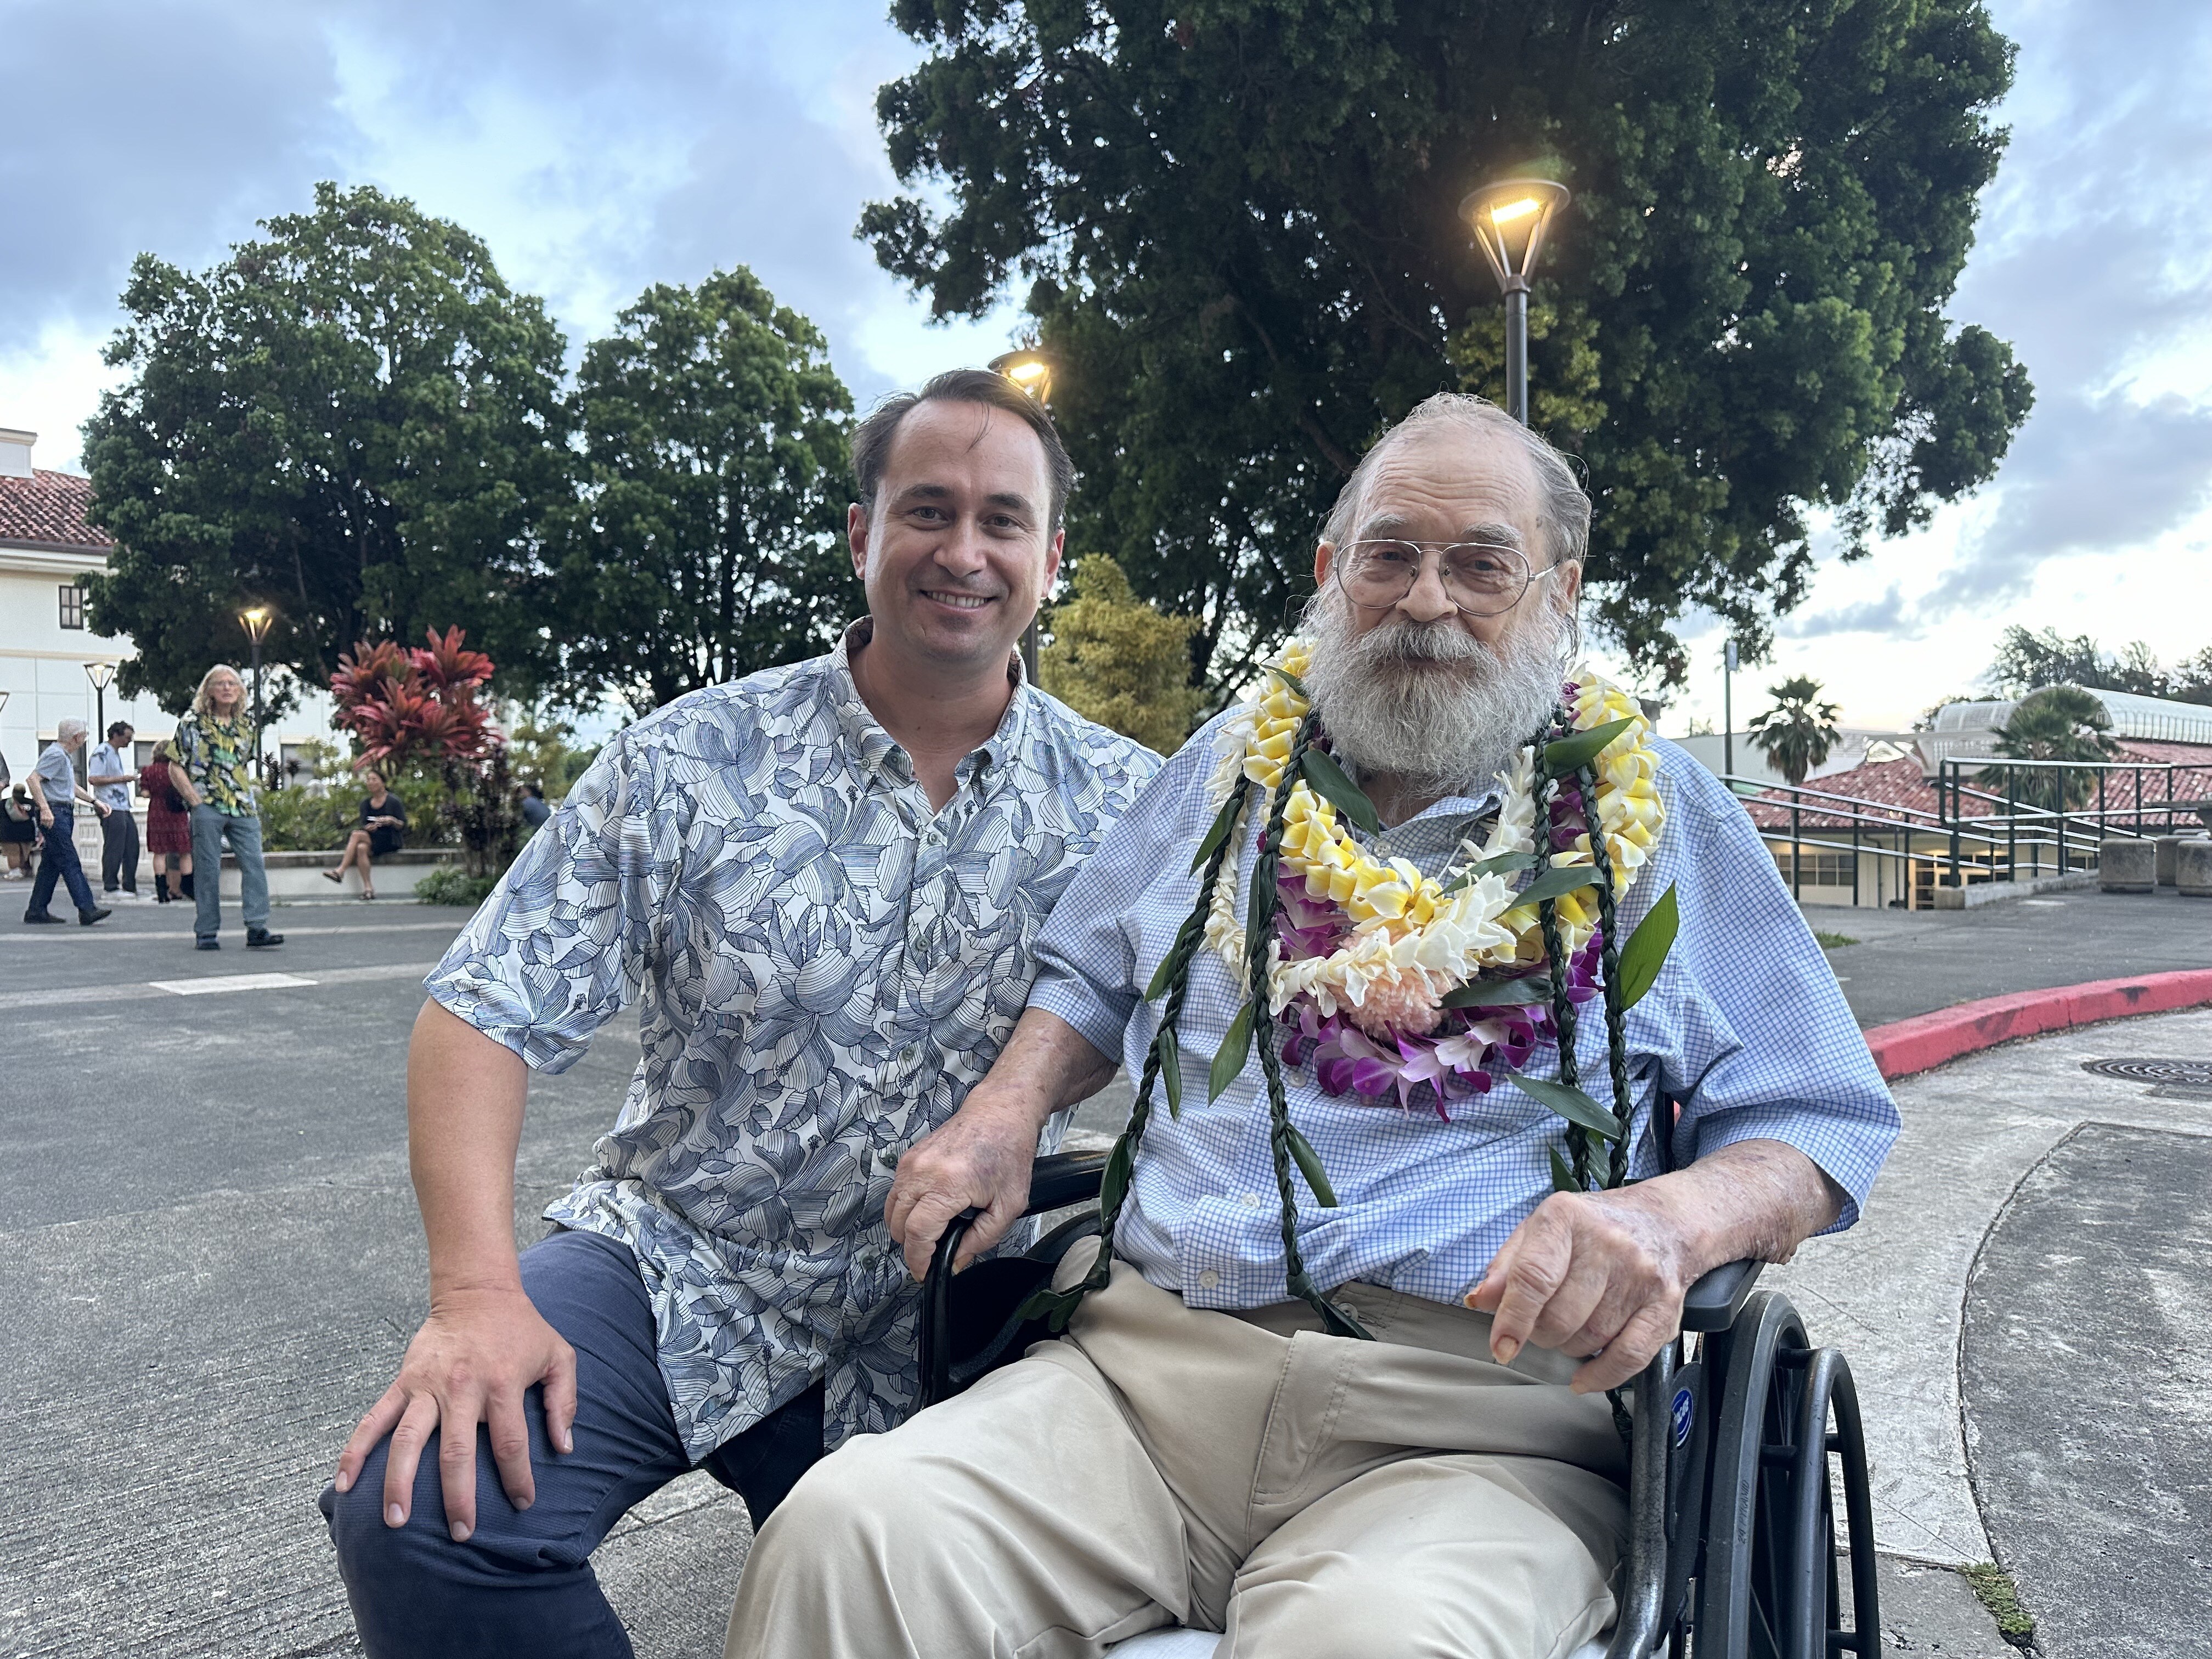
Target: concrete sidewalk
x: 2023, y: 1304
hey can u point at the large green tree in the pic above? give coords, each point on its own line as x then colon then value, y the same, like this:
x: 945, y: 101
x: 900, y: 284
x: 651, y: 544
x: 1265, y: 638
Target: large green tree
x: 2027, y: 660
x: 353, y: 421
x: 1238, y: 222
x: 709, y: 538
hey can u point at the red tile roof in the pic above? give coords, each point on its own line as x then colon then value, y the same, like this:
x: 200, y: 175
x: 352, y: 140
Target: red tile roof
x: 1895, y: 785
x: 49, y: 508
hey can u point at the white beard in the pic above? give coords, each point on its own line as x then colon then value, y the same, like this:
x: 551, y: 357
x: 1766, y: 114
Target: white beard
x: 1426, y: 703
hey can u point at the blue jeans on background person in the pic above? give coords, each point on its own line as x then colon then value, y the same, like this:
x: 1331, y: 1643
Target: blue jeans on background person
x: 58, y: 863
x: 522, y: 1583
x: 210, y: 829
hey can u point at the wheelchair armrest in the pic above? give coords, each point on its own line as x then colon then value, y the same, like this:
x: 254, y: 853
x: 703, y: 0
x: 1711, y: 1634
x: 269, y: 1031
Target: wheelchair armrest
x: 1715, y: 1299
x: 1064, y: 1178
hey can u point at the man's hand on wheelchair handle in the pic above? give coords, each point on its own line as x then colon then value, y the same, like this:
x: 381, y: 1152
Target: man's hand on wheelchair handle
x: 980, y: 1157
x: 1601, y: 1276
x: 979, y: 1160
x: 477, y: 1354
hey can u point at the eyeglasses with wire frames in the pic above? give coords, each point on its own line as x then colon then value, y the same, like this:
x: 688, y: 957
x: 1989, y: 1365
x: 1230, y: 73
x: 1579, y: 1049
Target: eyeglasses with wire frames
x: 1483, y: 578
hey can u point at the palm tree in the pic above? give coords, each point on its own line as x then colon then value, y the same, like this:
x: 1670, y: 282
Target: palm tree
x: 2058, y: 723
x: 1798, y: 732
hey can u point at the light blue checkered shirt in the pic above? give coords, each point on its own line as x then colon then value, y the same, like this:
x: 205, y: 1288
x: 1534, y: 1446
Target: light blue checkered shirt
x: 1746, y: 1026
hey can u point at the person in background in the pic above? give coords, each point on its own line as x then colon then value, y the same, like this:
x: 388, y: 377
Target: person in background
x: 19, y: 827
x: 535, y: 811
x: 168, y: 824
x: 215, y: 743
x: 54, y: 789
x: 383, y: 830
x: 111, y: 778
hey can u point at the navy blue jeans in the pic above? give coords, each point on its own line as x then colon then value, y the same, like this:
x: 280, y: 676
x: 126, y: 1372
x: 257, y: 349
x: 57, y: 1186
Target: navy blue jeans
x: 523, y: 1583
x: 59, y: 862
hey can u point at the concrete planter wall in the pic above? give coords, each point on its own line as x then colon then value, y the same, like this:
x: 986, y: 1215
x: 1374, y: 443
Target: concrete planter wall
x: 299, y: 875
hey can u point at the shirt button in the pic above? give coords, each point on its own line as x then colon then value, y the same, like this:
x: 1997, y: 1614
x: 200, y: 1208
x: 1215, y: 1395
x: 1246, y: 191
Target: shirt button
x: 911, y: 1054
x: 1208, y: 1279
x: 1249, y: 1200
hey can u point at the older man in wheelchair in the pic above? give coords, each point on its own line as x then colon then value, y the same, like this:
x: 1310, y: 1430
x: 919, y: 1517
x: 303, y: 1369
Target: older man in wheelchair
x: 1472, y: 1028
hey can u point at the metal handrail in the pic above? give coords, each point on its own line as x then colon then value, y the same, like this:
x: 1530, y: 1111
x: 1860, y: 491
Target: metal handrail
x: 1978, y: 843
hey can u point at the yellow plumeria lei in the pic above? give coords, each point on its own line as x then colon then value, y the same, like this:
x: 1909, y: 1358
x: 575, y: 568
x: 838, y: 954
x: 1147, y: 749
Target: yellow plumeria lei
x: 1414, y: 939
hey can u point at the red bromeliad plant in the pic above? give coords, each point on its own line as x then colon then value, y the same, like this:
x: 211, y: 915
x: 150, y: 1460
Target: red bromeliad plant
x: 416, y: 706
x: 420, y: 707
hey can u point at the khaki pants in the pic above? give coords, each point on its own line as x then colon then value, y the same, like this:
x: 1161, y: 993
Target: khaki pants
x: 1314, y: 1497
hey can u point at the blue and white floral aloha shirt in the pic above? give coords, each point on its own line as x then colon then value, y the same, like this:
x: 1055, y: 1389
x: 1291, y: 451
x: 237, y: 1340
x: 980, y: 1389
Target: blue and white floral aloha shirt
x: 826, y: 968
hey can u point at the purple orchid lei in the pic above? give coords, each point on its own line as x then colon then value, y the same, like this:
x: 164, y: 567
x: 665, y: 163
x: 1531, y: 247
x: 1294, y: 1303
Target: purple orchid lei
x: 1449, y: 1062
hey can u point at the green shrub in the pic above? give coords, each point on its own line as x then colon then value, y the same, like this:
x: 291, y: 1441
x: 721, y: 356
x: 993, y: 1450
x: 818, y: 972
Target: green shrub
x: 451, y: 884
x: 316, y: 817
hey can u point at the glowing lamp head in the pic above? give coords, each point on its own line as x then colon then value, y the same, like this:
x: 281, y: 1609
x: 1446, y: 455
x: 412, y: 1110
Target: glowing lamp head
x: 256, y: 619
x: 1031, y: 371
x: 101, y: 674
x: 1508, y: 219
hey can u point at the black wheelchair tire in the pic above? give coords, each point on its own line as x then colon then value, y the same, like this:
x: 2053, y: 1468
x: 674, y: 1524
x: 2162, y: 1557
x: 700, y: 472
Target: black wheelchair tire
x: 1769, y: 1586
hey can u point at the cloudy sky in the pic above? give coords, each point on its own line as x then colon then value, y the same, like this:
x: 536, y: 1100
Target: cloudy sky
x: 598, y: 148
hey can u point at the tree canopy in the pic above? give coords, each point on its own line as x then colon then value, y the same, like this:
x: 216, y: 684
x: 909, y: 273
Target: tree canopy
x: 353, y: 421
x: 1238, y: 219
x: 1117, y: 661
x: 1797, y: 732
x: 708, y: 541
x: 2057, y: 723
x: 2027, y: 660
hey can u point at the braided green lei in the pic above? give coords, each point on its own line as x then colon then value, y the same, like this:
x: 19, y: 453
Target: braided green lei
x: 1562, y: 755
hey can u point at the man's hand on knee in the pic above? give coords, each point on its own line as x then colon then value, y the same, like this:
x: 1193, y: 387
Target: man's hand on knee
x: 1599, y: 1276
x: 476, y: 1356
x: 978, y: 1160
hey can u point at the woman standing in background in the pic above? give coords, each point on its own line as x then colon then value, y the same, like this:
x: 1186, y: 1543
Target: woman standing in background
x: 169, y: 826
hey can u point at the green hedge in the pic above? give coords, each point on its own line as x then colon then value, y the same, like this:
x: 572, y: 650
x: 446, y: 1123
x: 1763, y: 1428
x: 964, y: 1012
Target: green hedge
x: 307, y: 820
x: 450, y: 884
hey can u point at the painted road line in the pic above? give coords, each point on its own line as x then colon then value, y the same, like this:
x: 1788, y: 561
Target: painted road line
x: 84, y: 936
x: 78, y: 996
x: 216, y: 984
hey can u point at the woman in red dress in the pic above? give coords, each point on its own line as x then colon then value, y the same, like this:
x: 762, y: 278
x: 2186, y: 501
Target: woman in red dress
x: 169, y: 826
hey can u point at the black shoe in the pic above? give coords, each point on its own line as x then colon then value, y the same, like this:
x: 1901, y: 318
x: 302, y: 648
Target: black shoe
x: 46, y: 918
x: 85, y: 917
x: 161, y: 895
x: 208, y: 944
x: 260, y: 939
x: 187, y: 886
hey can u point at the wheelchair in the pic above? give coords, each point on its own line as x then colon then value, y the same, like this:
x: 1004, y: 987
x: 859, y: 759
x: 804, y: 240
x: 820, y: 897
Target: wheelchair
x: 1733, y: 1547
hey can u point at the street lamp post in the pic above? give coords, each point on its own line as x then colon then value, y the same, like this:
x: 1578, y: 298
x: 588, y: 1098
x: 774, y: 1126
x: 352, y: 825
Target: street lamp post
x: 255, y: 620
x: 1031, y: 371
x: 1728, y: 709
x: 1508, y: 219
x: 102, y: 675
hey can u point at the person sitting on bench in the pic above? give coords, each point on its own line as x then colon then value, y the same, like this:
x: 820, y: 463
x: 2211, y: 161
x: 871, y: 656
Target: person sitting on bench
x: 1371, y: 1135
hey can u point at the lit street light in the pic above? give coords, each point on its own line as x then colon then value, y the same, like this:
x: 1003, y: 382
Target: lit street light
x: 102, y: 675
x: 255, y: 620
x: 1508, y: 219
x: 1031, y: 371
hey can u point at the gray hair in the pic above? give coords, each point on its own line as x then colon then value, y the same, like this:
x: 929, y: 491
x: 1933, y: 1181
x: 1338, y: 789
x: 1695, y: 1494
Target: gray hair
x: 1564, y: 508
x: 69, y: 729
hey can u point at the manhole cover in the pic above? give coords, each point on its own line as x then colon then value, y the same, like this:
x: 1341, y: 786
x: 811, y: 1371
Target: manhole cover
x: 2190, y: 1076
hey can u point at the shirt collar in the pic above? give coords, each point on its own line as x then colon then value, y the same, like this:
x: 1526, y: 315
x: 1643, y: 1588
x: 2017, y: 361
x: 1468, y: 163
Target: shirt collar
x: 877, y: 748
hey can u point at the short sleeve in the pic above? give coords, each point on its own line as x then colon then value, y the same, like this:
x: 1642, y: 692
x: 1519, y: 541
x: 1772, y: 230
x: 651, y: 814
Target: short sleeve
x: 1749, y: 1026
x: 565, y: 940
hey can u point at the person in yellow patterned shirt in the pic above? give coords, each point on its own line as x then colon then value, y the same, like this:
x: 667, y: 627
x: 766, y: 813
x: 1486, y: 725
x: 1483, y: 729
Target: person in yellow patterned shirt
x: 215, y: 744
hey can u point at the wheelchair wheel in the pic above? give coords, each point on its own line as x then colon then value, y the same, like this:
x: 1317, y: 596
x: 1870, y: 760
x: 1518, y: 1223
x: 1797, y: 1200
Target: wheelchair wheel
x: 1770, y: 1588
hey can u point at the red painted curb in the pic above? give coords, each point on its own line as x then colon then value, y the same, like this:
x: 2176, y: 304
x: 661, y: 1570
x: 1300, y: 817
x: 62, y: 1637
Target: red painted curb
x: 1927, y: 1041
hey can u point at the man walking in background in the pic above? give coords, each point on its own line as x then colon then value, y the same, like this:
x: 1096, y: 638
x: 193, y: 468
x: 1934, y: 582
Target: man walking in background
x: 54, y: 790
x: 112, y: 777
x: 215, y: 744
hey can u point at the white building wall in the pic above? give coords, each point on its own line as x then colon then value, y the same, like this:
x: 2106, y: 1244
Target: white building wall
x: 42, y: 667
